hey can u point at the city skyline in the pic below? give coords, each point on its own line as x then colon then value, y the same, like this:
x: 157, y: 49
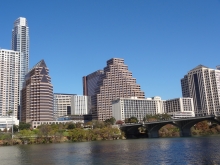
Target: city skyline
x: 160, y: 41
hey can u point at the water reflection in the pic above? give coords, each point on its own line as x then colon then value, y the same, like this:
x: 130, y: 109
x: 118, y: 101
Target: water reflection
x: 141, y: 151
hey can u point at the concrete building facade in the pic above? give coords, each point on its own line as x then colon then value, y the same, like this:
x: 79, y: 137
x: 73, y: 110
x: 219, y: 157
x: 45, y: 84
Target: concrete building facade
x: 183, y: 107
x: 6, y: 122
x: 9, y: 81
x: 203, y: 85
x: 62, y: 104
x: 80, y: 105
x: 124, y: 108
x: 37, y: 95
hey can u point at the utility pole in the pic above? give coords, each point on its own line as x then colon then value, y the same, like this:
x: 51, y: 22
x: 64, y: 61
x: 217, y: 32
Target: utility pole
x: 12, y: 131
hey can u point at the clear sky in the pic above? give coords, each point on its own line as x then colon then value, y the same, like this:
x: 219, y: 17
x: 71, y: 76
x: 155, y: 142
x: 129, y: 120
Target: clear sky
x: 160, y: 40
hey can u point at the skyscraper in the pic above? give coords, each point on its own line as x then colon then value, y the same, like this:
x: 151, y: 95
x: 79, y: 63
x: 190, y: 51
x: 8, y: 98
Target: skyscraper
x: 203, y: 85
x: 20, y: 42
x: 37, y: 95
x: 114, y: 83
x: 90, y: 82
x: 9, y: 81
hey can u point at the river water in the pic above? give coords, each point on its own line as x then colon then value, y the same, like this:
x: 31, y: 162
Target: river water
x: 194, y: 150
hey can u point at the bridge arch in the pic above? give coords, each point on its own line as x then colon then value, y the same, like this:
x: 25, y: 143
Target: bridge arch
x: 186, y: 126
x: 131, y: 131
x: 153, y: 130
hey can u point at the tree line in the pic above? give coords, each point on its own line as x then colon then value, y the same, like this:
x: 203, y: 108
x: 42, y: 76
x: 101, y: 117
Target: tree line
x: 90, y: 131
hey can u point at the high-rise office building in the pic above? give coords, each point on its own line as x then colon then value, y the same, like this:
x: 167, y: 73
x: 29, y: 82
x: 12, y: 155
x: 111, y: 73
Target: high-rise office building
x: 115, y: 82
x: 20, y: 42
x: 90, y: 82
x: 9, y: 81
x: 203, y: 85
x: 37, y: 95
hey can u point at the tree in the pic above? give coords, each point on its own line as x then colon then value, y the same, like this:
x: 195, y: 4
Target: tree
x: 15, y: 128
x: 71, y: 126
x: 166, y: 116
x: 44, y: 130
x: 9, y: 112
x: 110, y: 121
x: 23, y: 125
x: 133, y: 120
x: 144, y: 119
x: 98, y: 124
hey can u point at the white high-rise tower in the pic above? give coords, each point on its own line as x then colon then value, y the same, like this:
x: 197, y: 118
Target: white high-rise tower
x: 20, y: 42
x: 9, y: 81
x: 203, y: 85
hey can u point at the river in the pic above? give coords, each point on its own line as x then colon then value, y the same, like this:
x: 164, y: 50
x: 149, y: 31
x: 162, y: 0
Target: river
x: 194, y: 150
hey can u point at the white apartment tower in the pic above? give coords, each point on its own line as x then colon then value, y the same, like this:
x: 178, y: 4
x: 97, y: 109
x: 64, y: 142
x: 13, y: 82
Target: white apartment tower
x: 9, y: 81
x: 203, y: 85
x: 20, y: 42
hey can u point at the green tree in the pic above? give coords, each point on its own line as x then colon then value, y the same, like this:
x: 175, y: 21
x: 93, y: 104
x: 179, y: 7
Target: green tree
x: 165, y: 116
x: 133, y: 120
x: 15, y: 128
x: 110, y: 121
x: 98, y: 124
x: 23, y: 125
x: 71, y: 126
x: 9, y: 112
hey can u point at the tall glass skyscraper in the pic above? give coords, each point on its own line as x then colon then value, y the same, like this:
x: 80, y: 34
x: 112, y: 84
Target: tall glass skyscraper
x: 20, y: 42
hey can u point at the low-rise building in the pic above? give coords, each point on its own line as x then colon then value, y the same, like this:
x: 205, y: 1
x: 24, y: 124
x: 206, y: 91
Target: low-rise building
x: 62, y: 104
x: 6, y: 122
x: 124, y: 108
x: 180, y: 107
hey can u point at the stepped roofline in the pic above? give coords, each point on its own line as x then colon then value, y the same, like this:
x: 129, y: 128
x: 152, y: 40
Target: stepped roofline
x: 41, y: 63
x: 200, y: 66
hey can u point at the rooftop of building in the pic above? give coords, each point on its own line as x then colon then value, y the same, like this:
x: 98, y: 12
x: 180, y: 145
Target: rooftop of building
x: 98, y: 72
x: 8, y: 50
x: 41, y: 63
x: 64, y: 94
x: 22, y: 21
x: 200, y: 66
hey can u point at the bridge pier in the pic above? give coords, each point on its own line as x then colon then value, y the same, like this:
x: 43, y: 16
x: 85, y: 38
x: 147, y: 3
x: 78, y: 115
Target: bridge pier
x: 185, y: 132
x: 153, y: 134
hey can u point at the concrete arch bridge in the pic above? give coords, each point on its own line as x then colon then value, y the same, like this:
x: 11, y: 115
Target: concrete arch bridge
x: 152, y: 128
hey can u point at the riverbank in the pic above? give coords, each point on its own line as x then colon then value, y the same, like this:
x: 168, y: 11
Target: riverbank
x: 75, y: 133
x: 57, y: 134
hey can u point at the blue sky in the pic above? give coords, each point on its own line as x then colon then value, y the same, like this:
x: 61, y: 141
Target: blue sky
x: 159, y: 40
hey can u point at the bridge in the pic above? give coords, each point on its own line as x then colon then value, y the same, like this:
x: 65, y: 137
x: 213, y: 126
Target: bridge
x: 152, y: 128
